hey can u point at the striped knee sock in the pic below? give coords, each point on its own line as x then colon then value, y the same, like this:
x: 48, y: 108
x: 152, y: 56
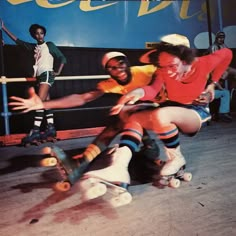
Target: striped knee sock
x: 131, y: 136
x: 38, y: 118
x: 169, y: 135
x: 49, y: 116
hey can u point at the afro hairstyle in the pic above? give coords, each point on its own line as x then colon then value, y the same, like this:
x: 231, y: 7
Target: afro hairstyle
x: 34, y: 27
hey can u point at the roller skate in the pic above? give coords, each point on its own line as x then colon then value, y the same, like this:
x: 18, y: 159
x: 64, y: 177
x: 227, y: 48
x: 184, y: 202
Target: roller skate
x: 70, y: 169
x: 114, y: 178
x: 49, y: 135
x: 173, y: 172
x: 33, y: 138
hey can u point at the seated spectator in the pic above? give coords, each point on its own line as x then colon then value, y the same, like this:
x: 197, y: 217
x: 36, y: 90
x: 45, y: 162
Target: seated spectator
x: 224, y: 106
x: 219, y: 43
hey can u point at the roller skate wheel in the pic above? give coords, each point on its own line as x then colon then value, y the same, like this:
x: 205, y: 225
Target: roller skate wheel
x: 187, y: 177
x: 95, y: 191
x: 50, y: 161
x: 159, y: 162
x: 62, y: 186
x: 121, y: 200
x: 46, y: 150
x: 174, y: 183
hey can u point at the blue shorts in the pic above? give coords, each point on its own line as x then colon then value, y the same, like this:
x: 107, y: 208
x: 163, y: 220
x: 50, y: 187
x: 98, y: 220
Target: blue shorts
x: 202, y: 111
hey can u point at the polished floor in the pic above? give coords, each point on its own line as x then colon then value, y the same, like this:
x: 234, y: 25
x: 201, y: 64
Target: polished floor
x: 205, y: 206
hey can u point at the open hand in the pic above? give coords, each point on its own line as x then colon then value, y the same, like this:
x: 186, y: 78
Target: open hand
x: 32, y: 103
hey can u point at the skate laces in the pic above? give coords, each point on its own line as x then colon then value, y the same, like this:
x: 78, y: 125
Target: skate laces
x: 175, y: 161
x: 174, y: 153
x: 114, y: 153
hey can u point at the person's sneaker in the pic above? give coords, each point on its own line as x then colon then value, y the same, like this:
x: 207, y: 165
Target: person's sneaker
x: 225, y: 117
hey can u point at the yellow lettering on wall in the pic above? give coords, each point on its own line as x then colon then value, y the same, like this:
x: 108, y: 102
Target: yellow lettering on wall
x: 184, y: 10
x: 15, y: 2
x: 46, y: 4
x: 144, y: 7
x: 203, y: 15
x: 86, y: 5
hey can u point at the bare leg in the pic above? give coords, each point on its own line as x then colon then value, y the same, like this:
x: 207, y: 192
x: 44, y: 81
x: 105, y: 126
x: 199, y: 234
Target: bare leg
x: 186, y: 120
x: 166, y: 122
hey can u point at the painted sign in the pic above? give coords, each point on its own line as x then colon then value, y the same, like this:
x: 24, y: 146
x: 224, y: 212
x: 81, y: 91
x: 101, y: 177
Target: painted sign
x: 111, y: 24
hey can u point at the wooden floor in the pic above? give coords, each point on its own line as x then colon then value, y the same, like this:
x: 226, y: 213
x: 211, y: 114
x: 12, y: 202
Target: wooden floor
x: 204, y: 207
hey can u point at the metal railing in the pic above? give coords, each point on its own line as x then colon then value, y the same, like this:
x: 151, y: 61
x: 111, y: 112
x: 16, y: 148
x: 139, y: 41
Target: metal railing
x: 6, y: 113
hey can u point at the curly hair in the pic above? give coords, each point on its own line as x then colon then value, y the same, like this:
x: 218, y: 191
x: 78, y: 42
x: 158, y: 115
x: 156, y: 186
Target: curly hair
x: 34, y: 27
x: 182, y: 52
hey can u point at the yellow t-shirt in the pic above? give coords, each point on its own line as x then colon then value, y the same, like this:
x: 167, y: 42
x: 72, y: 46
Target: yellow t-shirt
x: 140, y: 76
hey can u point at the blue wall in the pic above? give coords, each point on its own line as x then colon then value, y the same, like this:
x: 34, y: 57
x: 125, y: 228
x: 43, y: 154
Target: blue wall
x: 116, y: 24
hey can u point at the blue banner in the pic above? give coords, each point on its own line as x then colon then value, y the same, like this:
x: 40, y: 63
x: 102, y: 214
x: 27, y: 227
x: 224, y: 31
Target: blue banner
x: 116, y: 24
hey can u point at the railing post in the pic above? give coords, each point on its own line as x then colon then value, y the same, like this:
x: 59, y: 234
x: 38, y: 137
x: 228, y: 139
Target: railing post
x: 5, y: 112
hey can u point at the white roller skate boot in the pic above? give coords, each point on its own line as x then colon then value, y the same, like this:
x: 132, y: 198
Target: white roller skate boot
x: 175, y: 161
x: 116, y: 176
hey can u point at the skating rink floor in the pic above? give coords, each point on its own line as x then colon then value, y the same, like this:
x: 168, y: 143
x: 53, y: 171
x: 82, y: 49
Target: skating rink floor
x: 206, y: 206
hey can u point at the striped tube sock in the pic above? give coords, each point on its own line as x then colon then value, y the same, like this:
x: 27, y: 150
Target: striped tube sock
x: 169, y: 135
x: 91, y: 152
x: 131, y: 136
x: 49, y: 116
x: 38, y: 118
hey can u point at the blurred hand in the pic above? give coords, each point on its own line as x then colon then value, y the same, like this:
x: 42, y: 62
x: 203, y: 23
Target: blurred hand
x: 203, y: 99
x: 32, y: 103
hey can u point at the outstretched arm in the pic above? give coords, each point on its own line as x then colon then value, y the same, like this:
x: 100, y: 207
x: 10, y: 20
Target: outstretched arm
x: 12, y: 36
x: 35, y: 103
